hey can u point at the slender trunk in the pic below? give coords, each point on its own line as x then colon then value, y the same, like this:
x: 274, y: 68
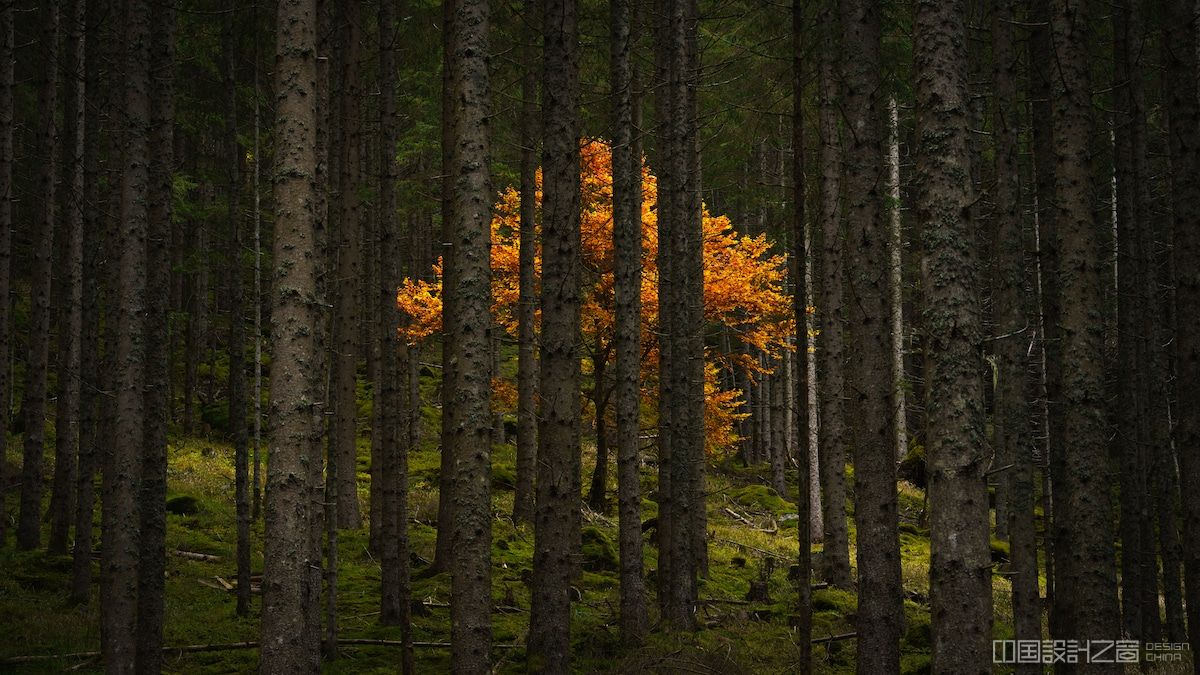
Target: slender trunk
x: 627, y: 246
x: 880, y: 609
x: 471, y: 325
x: 37, y: 364
x: 835, y: 556
x: 70, y: 285
x: 287, y: 552
x: 237, y: 319
x: 6, y: 225
x: 1011, y: 430
x: 896, y: 277
x: 1089, y: 571
x: 800, y: 368
x: 256, y: 476
x: 527, y: 372
x: 556, y: 525
x: 597, y: 494
x: 1183, y: 112
x: 779, y: 441
x: 119, y: 564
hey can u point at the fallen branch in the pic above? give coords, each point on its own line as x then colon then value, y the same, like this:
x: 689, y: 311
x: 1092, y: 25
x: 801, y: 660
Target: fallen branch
x: 835, y: 638
x: 754, y: 548
x: 191, y: 555
x: 744, y: 520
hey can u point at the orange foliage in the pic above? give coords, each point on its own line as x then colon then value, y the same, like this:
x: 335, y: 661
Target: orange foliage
x: 743, y: 286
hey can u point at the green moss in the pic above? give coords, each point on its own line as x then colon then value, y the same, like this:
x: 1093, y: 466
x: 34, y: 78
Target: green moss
x: 760, y: 498
x: 837, y: 600
x: 999, y: 550
x: 598, y: 551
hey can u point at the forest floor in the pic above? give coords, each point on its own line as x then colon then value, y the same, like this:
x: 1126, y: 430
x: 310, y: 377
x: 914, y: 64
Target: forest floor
x: 751, y: 538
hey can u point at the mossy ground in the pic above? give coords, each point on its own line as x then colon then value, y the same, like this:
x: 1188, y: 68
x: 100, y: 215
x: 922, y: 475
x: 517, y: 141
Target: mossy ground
x: 751, y: 538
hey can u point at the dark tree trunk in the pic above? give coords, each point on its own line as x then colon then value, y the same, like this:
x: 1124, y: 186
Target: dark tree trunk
x: 396, y: 592
x: 1179, y: 40
x: 960, y: 571
x: 627, y: 247
x: 1011, y: 429
x: 89, y: 362
x: 122, y: 544
x: 343, y: 444
x: 287, y: 551
x: 831, y: 381
x: 779, y: 441
x: 800, y: 364
x: 6, y: 225
x: 237, y: 318
x: 527, y: 370
x: 471, y: 326
x: 1087, y: 595
x: 37, y: 363
x: 880, y: 609
x: 153, y: 555
x: 556, y: 524
x: 597, y: 497
x: 70, y: 280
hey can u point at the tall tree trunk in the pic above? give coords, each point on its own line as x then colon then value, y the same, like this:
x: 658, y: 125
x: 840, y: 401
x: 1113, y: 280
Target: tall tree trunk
x: 444, y: 546
x: 1089, y: 570
x: 122, y: 545
x: 6, y: 226
x: 1183, y: 112
x: 527, y: 371
x: 801, y: 390
x: 896, y: 277
x: 37, y: 363
x: 70, y: 284
x: 471, y: 326
x: 287, y: 553
x: 556, y: 524
x: 237, y: 319
x: 960, y: 571
x: 627, y: 247
x: 1011, y: 429
x: 152, y: 563
x: 835, y: 556
x: 256, y: 476
x: 779, y: 441
x: 396, y: 592
x: 597, y: 494
x: 89, y: 362
x: 345, y: 327
x: 880, y: 609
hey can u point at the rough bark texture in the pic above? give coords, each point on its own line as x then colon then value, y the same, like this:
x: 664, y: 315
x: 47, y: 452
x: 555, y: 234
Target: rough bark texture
x: 396, y: 592
x: 527, y: 371
x: 1086, y: 564
x: 6, y: 223
x: 152, y: 561
x: 960, y: 566
x: 70, y: 283
x: 831, y: 379
x: 880, y: 610
x: 896, y: 279
x: 1012, y: 439
x: 286, y: 549
x: 119, y: 602
x: 1180, y: 43
x: 37, y: 363
x: 556, y: 524
x: 346, y: 325
x: 627, y: 246
x: 471, y: 326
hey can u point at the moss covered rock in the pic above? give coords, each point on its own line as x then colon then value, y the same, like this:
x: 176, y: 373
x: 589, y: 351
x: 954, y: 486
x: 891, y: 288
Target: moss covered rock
x: 760, y: 498
x: 599, y: 554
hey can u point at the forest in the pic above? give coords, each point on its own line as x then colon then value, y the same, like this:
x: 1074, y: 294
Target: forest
x: 599, y: 336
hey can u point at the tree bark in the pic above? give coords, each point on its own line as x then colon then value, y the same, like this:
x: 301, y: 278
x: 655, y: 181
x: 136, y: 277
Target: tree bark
x: 880, y: 609
x: 556, y: 524
x: 37, y: 363
x: 527, y: 370
x: 70, y: 284
x: 1183, y: 112
x: 294, y: 379
x: 960, y: 569
x: 1087, y: 570
x: 471, y: 326
x: 1011, y: 430
x: 6, y: 226
x: 831, y: 380
x: 627, y: 246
